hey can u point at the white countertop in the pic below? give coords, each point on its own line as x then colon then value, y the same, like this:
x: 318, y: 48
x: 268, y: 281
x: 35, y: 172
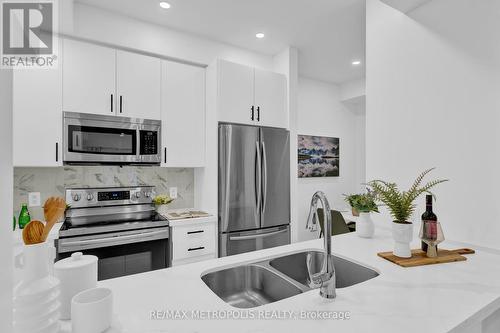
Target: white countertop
x: 436, y: 298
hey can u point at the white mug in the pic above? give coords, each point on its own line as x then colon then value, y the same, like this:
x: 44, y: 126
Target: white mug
x: 92, y: 311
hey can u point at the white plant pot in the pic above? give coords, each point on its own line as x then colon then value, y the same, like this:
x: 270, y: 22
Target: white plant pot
x: 162, y: 210
x: 365, y: 227
x: 403, y: 235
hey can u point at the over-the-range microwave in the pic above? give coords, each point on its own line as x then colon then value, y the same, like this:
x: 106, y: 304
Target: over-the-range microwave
x: 101, y: 139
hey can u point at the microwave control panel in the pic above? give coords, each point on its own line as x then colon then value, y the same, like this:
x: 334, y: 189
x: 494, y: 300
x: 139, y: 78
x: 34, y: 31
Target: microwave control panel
x: 148, y: 142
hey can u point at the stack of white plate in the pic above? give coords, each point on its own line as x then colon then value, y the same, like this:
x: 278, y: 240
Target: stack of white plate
x: 37, y: 306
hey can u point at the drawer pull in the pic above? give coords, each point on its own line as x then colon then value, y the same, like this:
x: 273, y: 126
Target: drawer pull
x: 195, y: 232
x: 196, y: 248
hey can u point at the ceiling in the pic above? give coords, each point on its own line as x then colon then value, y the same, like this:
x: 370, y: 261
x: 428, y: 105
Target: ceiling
x: 329, y: 34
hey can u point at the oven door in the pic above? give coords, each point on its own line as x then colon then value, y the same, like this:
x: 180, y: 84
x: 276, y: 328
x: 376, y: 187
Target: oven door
x: 121, y: 253
x: 100, y: 139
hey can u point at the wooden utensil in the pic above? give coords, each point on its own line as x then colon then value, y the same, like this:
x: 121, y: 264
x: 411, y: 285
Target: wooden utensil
x: 53, y: 210
x: 32, y: 232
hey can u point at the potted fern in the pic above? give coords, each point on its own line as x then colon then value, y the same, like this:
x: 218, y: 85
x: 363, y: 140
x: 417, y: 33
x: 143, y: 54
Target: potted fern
x: 364, y: 203
x: 401, y: 205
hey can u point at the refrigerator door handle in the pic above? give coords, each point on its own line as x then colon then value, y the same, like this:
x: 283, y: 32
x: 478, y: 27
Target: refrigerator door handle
x: 227, y: 152
x: 258, y: 178
x: 246, y: 237
x: 264, y: 172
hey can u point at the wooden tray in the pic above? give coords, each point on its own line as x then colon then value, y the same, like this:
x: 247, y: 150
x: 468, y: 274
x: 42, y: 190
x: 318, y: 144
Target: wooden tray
x: 418, y: 257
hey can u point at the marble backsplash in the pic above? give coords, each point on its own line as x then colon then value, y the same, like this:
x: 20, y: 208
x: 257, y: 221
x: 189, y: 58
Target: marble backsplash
x: 53, y: 181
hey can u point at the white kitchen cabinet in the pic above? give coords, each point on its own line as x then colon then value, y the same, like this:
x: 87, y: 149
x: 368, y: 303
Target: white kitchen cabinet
x: 270, y: 98
x: 37, y: 117
x: 183, y: 115
x: 138, y: 82
x: 235, y: 93
x: 193, y: 240
x: 89, y: 75
x: 251, y: 96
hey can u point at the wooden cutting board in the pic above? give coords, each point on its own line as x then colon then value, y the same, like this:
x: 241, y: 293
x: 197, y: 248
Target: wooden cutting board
x: 418, y: 257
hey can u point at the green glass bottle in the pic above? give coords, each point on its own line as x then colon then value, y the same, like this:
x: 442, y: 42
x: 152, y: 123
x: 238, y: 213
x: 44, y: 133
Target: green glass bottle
x: 13, y: 223
x: 24, y: 216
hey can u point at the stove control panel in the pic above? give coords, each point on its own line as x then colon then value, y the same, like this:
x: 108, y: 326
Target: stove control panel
x: 92, y: 197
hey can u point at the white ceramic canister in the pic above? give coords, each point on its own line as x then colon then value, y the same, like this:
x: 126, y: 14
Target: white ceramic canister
x: 76, y: 273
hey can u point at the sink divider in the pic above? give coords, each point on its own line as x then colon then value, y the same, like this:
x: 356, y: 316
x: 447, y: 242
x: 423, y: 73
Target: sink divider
x: 265, y: 264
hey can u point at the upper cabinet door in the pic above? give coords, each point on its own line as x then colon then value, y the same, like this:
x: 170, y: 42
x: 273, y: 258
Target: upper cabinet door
x: 236, y: 93
x: 183, y: 115
x: 37, y: 117
x: 270, y: 99
x: 89, y: 78
x: 138, y: 83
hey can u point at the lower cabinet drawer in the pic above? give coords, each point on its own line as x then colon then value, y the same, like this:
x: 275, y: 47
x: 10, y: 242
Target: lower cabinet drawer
x: 193, y: 241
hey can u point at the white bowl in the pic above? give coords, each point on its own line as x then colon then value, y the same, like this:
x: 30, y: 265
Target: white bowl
x: 39, y: 319
x: 45, y: 323
x: 53, y: 327
x: 36, y: 308
x: 36, y: 291
x: 92, y: 311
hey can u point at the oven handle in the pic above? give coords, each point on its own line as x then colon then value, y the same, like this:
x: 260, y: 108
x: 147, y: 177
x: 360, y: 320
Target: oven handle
x: 67, y: 246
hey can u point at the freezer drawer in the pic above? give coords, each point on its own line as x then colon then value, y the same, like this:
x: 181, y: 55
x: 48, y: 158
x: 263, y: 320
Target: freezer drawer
x: 246, y: 241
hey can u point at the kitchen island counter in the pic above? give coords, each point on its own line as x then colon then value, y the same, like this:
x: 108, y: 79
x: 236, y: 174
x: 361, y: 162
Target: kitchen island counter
x: 453, y: 297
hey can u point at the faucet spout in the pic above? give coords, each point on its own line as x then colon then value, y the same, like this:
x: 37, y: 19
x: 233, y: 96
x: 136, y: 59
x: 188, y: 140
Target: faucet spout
x: 325, y: 279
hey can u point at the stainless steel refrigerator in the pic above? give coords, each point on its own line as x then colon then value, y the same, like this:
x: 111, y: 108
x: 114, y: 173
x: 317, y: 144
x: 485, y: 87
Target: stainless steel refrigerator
x: 254, y: 188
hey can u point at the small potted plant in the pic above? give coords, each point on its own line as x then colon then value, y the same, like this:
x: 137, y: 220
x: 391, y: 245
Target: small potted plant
x: 350, y: 200
x: 401, y: 205
x: 364, y: 204
x: 161, y: 202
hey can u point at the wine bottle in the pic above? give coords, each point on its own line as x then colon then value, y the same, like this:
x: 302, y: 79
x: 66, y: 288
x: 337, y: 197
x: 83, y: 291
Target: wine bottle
x: 24, y: 216
x: 428, y: 215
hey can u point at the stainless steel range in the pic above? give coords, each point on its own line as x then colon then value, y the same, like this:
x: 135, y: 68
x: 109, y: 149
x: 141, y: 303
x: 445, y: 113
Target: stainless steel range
x: 118, y: 225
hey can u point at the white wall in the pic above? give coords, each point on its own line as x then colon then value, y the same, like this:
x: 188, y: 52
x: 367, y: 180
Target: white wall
x: 433, y: 101
x: 320, y: 112
x: 352, y: 89
x: 6, y: 179
x: 108, y: 27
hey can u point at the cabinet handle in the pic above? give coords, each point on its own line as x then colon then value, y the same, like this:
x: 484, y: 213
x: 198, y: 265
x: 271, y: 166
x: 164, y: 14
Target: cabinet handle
x: 258, y: 113
x: 57, y: 151
x: 196, y: 248
x: 253, y: 109
x: 112, y: 103
x: 195, y: 232
x: 121, y: 103
x: 165, y: 154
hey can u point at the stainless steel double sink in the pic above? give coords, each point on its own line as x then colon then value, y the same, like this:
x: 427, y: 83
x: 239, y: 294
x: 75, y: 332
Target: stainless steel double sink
x: 258, y: 283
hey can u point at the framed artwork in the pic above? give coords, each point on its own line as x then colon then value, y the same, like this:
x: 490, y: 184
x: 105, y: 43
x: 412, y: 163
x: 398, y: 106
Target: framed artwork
x: 318, y: 156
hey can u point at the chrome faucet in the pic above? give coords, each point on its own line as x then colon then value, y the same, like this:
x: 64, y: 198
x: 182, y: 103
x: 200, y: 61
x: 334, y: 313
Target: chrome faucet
x: 325, y: 279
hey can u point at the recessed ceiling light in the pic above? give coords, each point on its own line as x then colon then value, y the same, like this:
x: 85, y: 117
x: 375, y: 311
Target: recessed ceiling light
x: 260, y: 35
x: 356, y: 62
x: 164, y: 5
